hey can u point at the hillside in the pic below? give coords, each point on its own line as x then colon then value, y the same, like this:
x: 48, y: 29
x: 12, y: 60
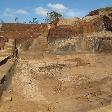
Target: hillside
x: 102, y: 11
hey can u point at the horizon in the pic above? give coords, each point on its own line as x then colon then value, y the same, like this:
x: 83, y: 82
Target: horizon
x: 25, y: 10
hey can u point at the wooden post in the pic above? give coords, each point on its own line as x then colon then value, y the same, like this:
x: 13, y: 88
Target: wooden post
x: 15, y: 50
x: 15, y: 42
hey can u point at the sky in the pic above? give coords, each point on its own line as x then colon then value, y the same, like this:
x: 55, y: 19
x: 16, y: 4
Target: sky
x: 25, y: 10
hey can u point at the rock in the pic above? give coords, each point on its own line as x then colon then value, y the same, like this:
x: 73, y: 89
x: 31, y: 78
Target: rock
x: 6, y: 98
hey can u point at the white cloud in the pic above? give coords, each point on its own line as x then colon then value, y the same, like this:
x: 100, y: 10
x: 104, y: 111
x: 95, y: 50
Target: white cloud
x: 21, y: 11
x: 57, y: 6
x: 8, y: 12
x: 41, y: 11
x: 74, y: 13
x: 65, y: 11
x: 11, y: 12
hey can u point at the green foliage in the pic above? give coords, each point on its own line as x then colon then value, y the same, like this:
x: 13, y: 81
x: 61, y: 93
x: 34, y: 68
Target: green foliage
x: 51, y: 16
x: 34, y: 21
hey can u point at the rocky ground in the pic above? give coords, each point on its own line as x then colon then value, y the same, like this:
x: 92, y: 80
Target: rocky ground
x: 60, y: 83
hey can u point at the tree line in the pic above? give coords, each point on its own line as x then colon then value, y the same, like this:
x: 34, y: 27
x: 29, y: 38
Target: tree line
x: 51, y: 16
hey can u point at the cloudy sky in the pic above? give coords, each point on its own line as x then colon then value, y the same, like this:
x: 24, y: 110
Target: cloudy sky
x: 25, y: 10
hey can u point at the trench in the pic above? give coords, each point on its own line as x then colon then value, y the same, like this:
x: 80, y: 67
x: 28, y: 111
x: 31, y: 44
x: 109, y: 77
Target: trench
x: 6, y: 80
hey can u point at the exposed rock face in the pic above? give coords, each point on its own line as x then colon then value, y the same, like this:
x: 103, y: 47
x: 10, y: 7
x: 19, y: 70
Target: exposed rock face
x: 97, y: 22
x: 25, y: 34
x: 96, y: 42
x: 110, y: 14
x: 16, y: 30
x: 79, y: 27
x: 101, y: 11
x: 35, y: 36
x: 70, y: 21
x: 92, y: 13
x: 107, y: 23
x: 2, y: 42
x: 106, y: 14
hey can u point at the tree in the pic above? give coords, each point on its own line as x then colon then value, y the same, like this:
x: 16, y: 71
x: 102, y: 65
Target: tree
x: 34, y: 21
x: 16, y: 19
x: 52, y: 16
